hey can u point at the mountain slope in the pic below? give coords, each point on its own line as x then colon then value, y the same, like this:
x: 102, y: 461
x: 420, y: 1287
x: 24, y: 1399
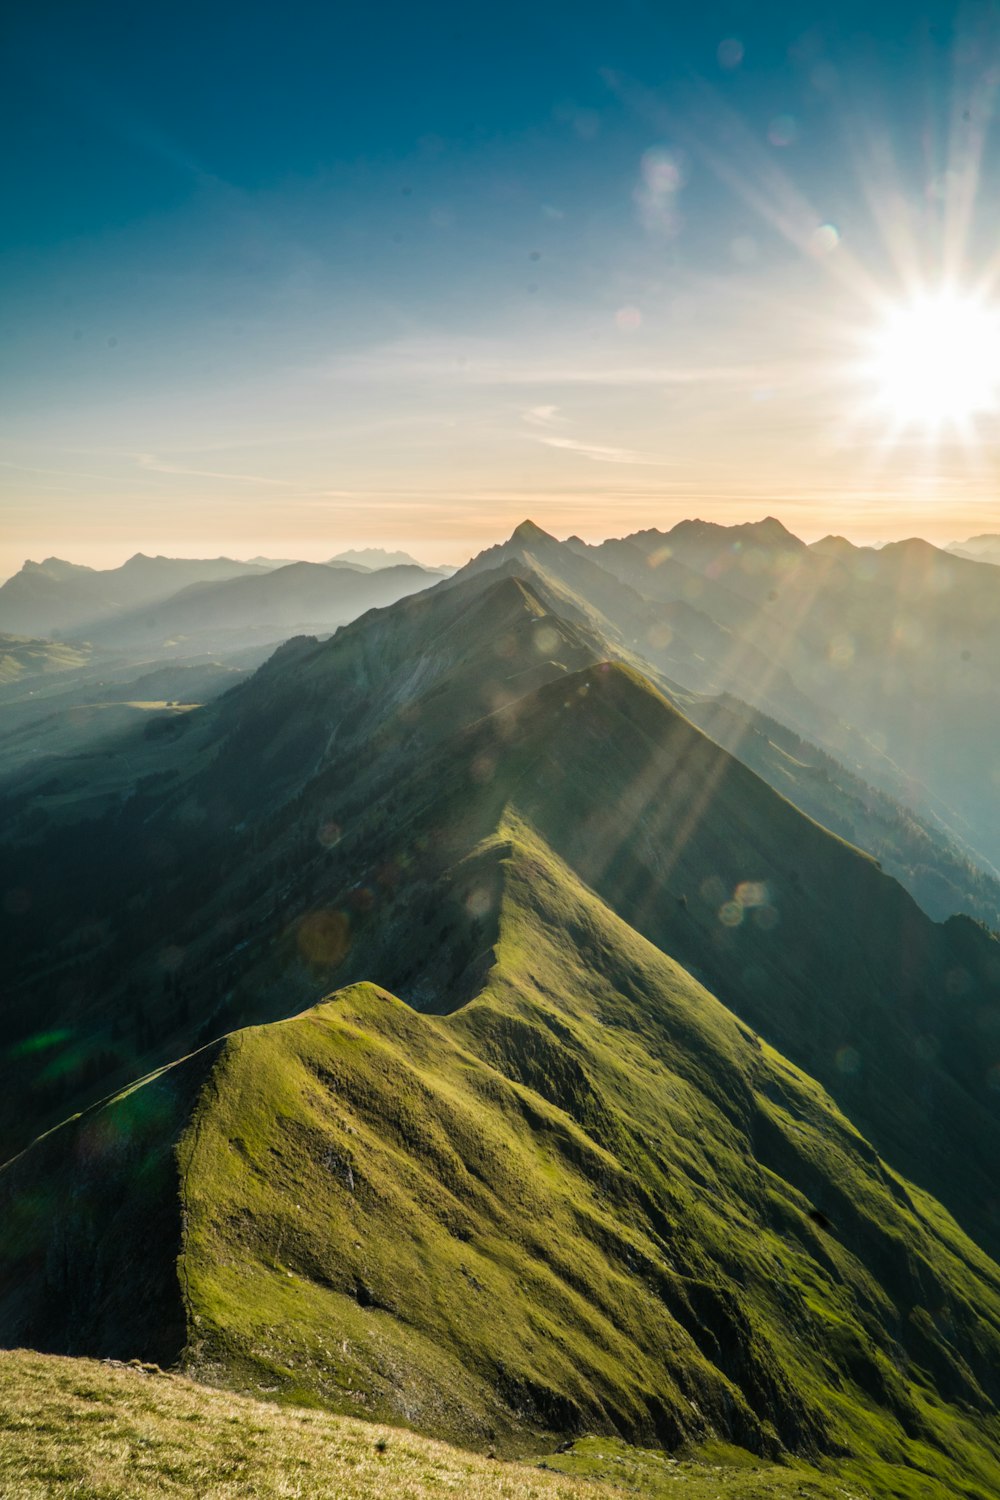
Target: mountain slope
x: 297, y: 830
x: 72, y: 1427
x: 377, y: 558
x: 590, y: 1197
x: 625, y: 1110
x: 914, y: 851
x: 984, y: 548
x: 902, y: 643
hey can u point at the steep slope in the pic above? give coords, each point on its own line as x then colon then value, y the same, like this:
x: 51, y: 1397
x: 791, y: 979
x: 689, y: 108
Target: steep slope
x: 642, y: 605
x: 801, y: 934
x: 143, y: 887
x: 588, y: 1198
x: 665, y: 618
x: 916, y: 852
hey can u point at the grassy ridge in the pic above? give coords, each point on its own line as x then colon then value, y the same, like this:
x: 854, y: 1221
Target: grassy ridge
x: 590, y: 1199
x: 583, y: 1195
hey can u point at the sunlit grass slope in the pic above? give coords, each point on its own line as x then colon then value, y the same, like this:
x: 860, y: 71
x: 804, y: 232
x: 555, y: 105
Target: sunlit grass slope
x: 90, y: 1431
x: 589, y: 1200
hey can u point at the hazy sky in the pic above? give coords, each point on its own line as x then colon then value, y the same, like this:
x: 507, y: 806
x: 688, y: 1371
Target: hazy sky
x: 291, y: 278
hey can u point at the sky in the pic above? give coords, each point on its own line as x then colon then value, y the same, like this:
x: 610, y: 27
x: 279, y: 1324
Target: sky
x: 290, y: 279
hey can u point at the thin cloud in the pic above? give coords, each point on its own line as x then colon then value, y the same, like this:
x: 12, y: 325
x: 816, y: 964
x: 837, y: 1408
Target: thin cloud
x: 596, y: 451
x: 151, y: 463
x: 456, y: 362
x: 542, y: 416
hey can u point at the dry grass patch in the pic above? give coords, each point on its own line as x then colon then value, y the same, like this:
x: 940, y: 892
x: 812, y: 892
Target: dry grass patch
x: 100, y: 1431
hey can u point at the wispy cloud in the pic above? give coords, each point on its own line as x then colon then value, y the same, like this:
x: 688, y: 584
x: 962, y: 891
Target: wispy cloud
x: 155, y: 465
x: 542, y: 416
x: 481, y: 364
x: 600, y: 453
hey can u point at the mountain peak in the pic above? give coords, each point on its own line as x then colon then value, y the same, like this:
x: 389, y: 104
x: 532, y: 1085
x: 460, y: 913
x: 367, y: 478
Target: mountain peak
x: 54, y: 567
x: 529, y: 532
x: 833, y: 546
x: 374, y: 559
x: 769, y: 531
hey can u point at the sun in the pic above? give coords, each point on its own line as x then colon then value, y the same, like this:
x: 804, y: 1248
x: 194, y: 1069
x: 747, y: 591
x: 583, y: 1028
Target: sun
x: 936, y: 360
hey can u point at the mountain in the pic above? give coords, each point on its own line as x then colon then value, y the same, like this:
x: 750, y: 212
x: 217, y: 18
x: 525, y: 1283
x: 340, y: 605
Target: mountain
x: 59, y: 598
x: 376, y: 558
x: 569, y: 1186
x: 875, y: 655
x: 446, y: 1030
x: 984, y: 548
x: 239, y: 611
x: 690, y: 629
x: 916, y: 851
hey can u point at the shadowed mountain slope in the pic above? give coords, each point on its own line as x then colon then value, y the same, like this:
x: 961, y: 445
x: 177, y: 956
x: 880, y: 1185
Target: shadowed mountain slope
x: 919, y: 854
x: 698, y: 629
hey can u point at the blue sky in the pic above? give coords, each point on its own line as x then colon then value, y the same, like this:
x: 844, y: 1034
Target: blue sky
x: 297, y: 277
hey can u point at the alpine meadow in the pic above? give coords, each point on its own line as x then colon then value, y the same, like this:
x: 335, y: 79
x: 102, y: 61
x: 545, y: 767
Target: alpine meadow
x: 496, y: 1005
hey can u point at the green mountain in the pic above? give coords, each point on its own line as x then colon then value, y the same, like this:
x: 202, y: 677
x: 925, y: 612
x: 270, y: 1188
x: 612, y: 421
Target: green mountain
x: 515, y: 1063
x: 588, y: 1197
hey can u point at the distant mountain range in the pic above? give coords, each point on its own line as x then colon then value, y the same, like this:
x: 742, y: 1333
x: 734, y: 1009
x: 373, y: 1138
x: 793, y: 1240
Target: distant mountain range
x: 984, y: 548
x: 374, y: 558
x: 215, y: 616
x: 61, y: 599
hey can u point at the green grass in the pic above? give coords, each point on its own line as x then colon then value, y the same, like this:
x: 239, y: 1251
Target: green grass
x: 712, y: 1472
x: 584, y: 1201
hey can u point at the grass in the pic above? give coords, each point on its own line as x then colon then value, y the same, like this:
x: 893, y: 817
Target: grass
x: 713, y: 1472
x: 582, y: 1202
x: 97, y: 1431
